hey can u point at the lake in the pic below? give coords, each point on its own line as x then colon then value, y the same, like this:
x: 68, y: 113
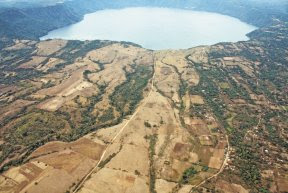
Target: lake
x: 156, y: 28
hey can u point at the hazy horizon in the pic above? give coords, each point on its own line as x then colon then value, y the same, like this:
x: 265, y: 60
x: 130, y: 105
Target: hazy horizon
x: 156, y: 28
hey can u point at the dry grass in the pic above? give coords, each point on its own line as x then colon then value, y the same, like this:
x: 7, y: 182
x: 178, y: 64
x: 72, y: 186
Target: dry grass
x: 230, y: 188
x: 196, y: 99
x: 48, y: 47
x: 34, y: 62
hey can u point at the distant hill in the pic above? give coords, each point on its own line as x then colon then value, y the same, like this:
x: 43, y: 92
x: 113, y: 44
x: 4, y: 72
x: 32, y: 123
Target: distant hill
x: 33, y: 19
x: 34, y: 22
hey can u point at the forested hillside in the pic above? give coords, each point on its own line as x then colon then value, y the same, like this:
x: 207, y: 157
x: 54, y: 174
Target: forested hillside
x: 31, y: 21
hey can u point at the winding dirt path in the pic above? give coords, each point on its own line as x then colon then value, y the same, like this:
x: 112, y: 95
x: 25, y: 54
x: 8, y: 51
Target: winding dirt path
x: 221, y: 169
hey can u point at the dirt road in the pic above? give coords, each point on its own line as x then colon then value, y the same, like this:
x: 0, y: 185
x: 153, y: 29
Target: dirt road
x: 78, y: 187
x: 221, y: 169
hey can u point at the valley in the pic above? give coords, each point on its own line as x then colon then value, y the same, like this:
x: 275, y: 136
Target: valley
x: 105, y: 116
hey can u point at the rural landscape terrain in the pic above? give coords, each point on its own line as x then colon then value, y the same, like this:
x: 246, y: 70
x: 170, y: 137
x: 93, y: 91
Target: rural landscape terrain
x: 103, y: 116
x: 114, y: 117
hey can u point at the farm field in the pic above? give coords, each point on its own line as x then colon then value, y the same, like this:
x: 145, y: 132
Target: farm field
x: 103, y: 116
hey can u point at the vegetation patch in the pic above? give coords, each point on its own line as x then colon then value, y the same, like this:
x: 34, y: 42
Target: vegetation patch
x: 152, y: 174
x: 30, y: 132
x: 35, y: 127
x: 127, y: 95
x: 188, y: 174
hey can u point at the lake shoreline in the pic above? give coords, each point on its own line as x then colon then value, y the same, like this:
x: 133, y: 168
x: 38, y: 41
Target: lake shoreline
x: 156, y: 28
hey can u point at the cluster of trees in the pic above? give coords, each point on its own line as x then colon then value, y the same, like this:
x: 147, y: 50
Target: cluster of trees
x: 237, y: 90
x: 152, y: 173
x: 246, y: 159
x: 48, y: 84
x: 124, y: 100
x: 127, y: 95
x: 107, y: 160
x: 197, y: 110
x: 272, y: 129
x: 245, y: 119
x: 34, y: 22
x: 12, y: 59
x: 211, y: 92
x: 34, y: 127
x: 29, y: 132
x: 188, y: 173
x: 108, y: 115
x: 80, y: 49
x: 147, y: 124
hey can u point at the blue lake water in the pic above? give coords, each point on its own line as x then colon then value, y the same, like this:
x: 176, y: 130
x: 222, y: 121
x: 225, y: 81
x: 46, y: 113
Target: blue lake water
x: 156, y: 28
